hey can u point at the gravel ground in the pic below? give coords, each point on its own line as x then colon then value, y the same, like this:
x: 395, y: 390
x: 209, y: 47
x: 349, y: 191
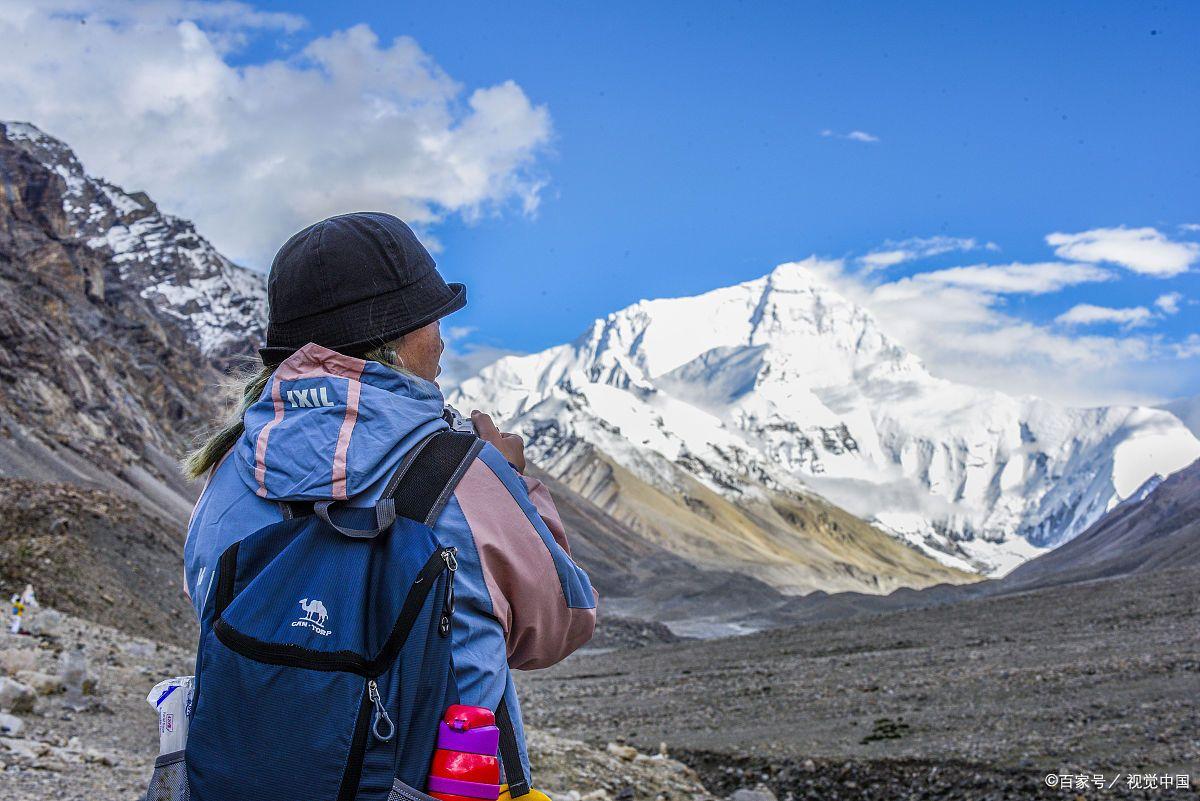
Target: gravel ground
x: 100, y: 745
x: 978, y: 700
x: 975, y: 700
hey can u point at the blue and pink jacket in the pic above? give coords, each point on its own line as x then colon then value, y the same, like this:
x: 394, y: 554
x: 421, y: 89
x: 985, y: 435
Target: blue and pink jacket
x: 332, y: 427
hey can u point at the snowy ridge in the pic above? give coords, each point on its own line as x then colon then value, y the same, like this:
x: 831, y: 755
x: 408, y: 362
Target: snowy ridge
x: 781, y: 383
x: 158, y: 255
x: 1187, y: 410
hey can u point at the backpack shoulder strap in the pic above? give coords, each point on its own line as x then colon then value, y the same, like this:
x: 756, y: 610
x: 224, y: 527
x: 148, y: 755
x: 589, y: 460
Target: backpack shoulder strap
x: 510, y: 753
x: 419, y: 489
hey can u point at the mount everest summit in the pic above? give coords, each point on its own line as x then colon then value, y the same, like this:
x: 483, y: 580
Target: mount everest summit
x: 780, y: 384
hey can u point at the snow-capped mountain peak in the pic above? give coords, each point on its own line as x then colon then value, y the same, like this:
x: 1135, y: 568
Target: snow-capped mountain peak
x: 781, y: 382
x: 160, y: 256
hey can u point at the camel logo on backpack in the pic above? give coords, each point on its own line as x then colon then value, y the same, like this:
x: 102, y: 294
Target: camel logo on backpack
x: 315, y: 615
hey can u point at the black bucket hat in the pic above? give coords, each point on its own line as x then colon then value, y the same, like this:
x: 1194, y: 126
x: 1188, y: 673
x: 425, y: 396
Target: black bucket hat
x: 351, y: 283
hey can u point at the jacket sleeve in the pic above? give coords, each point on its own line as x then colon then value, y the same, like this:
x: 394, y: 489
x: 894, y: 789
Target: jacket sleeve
x: 543, y: 600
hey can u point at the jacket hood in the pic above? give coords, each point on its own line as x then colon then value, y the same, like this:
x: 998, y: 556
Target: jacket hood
x: 329, y: 426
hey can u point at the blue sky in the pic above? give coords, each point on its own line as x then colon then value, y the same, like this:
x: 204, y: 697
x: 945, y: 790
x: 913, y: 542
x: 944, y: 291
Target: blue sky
x: 692, y: 145
x: 687, y: 150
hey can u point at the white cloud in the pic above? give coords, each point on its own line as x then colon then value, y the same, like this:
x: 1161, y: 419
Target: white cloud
x: 853, y: 136
x: 462, y: 359
x: 150, y: 97
x: 1190, y: 227
x: 1087, y: 314
x: 1017, y: 278
x: 957, y: 323
x: 892, y: 252
x: 862, y: 136
x: 1189, y: 348
x: 1169, y: 303
x: 1143, y: 250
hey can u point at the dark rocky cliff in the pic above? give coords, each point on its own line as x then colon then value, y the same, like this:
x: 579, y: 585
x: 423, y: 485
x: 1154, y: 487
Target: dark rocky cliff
x: 102, y: 381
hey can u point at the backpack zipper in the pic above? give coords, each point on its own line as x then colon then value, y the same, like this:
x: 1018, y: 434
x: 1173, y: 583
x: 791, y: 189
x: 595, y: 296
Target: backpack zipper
x: 381, y: 714
x: 358, y: 747
x: 367, y: 724
x: 448, y: 592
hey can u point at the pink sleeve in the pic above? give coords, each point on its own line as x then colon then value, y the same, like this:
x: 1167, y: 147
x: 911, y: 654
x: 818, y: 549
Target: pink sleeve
x: 519, y: 571
x: 540, y: 495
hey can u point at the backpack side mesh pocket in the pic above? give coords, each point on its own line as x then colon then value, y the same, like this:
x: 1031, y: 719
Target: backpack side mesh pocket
x: 169, y: 781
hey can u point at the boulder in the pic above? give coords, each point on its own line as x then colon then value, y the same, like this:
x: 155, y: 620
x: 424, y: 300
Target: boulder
x: 11, y: 725
x: 759, y: 793
x: 15, y: 660
x: 626, y: 752
x: 15, y: 696
x: 42, y: 683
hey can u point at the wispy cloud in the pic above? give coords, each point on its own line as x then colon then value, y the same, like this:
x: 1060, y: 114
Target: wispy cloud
x: 963, y: 331
x: 1188, y: 348
x: 1087, y: 314
x: 1016, y: 278
x: 1128, y: 317
x: 462, y: 359
x: 155, y: 96
x: 1169, y: 303
x: 893, y: 252
x: 1143, y: 250
x: 961, y: 319
x: 853, y: 136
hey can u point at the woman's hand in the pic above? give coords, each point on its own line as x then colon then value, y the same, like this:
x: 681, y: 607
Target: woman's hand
x: 511, y: 445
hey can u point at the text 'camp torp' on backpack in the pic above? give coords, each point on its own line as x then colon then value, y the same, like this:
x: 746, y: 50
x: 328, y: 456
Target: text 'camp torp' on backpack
x: 324, y: 662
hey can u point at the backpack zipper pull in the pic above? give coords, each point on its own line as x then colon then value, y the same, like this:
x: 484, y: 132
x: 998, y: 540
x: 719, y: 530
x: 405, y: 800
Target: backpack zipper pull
x: 448, y: 599
x: 380, y: 713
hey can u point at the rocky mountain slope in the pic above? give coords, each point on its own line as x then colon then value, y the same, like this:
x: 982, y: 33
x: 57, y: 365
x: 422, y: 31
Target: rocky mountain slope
x: 104, y: 381
x: 793, y: 541
x: 219, y: 306
x: 1157, y: 528
x: 96, y: 554
x: 782, y: 386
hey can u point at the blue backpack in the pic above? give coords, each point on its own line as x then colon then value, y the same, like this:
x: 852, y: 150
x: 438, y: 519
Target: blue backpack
x: 324, y: 662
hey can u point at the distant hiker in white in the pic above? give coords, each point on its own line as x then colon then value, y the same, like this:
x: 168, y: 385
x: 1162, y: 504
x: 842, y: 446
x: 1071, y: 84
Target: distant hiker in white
x: 18, y: 609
